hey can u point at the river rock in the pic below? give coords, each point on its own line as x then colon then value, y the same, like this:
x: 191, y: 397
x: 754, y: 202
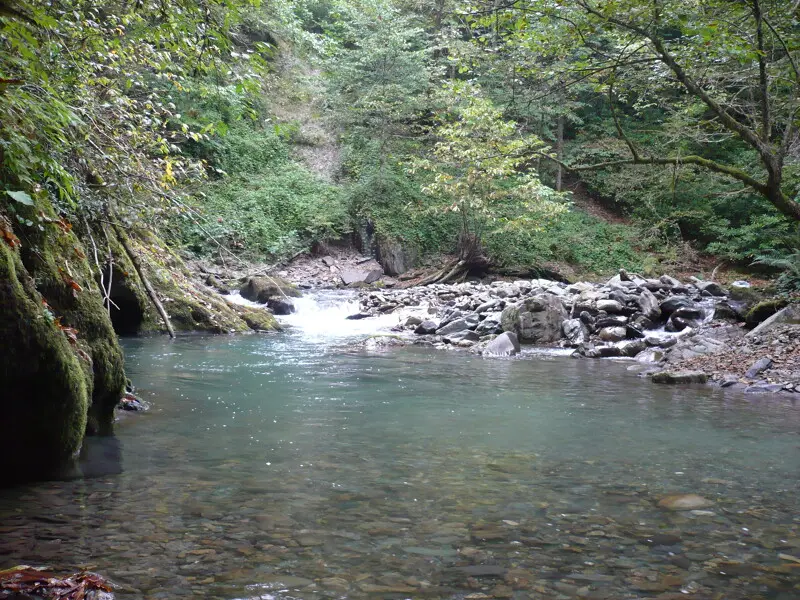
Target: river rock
x: 650, y: 357
x: 669, y: 281
x: 261, y: 289
x: 490, y: 324
x: 472, y: 320
x: 670, y: 305
x: 660, y: 339
x: 684, y: 502
x: 612, y: 307
x: 280, y: 306
x: 535, y: 320
x: 351, y: 276
x: 487, y: 306
x: 612, y: 334
x: 631, y: 348
x: 426, y: 327
x: 615, y: 321
x: 680, y: 324
x: 649, y: 306
x: 692, y: 312
x: 452, y: 327
x: 680, y: 377
x: 789, y: 315
x: 758, y: 367
x: 505, y: 344
x: 604, y: 351
x: 575, y: 331
x: 711, y: 287
x: 464, y: 335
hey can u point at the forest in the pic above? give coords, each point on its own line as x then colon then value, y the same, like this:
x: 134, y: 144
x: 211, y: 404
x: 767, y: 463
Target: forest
x: 254, y: 130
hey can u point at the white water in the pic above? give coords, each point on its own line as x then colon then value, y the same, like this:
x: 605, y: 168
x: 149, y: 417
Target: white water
x: 323, y: 315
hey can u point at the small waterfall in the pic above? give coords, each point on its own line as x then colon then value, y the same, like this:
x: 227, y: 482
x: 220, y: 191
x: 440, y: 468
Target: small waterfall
x: 323, y: 314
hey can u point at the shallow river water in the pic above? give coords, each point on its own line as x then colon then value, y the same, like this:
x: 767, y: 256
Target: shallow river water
x: 288, y: 466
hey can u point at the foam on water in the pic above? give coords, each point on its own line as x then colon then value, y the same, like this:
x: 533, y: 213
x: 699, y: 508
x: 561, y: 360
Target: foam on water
x: 323, y: 315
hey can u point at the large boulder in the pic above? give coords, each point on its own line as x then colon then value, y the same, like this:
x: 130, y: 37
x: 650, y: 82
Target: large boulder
x: 262, y: 289
x: 395, y: 257
x: 535, y: 320
x: 505, y: 344
x: 355, y: 276
x: 772, y: 313
x: 61, y: 367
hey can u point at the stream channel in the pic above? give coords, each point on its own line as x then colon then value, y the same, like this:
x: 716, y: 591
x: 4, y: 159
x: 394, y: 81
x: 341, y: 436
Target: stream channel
x: 292, y: 466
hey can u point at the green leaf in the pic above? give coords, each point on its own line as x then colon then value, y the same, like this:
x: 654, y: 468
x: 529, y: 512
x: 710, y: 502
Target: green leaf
x: 21, y: 197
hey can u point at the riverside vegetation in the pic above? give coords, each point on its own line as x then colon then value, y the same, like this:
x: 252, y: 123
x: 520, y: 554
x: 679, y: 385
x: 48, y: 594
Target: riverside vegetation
x: 484, y: 160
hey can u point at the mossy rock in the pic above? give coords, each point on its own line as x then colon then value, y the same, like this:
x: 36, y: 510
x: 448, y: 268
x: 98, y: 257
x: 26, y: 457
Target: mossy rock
x: 57, y: 260
x: 764, y: 310
x: 45, y: 388
x: 749, y: 295
x: 257, y: 319
x: 261, y: 289
x: 191, y: 306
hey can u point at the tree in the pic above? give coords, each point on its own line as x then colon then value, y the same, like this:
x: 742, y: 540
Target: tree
x: 480, y: 167
x: 720, y: 71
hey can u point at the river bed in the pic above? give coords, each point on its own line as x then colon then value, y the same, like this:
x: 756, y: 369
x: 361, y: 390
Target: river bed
x: 290, y: 466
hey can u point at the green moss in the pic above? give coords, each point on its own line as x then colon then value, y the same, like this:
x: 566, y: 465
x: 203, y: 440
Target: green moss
x: 257, y: 319
x: 764, y: 310
x: 45, y: 385
x: 190, y: 305
x: 57, y: 260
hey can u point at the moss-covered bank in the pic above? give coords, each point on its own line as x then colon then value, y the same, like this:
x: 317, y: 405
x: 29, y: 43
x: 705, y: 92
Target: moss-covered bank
x: 62, y: 368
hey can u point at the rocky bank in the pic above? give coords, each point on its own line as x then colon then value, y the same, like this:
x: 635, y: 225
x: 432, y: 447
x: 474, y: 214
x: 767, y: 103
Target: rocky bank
x: 676, y: 332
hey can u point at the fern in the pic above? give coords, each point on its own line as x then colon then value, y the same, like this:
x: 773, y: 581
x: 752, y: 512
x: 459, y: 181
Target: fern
x: 788, y: 264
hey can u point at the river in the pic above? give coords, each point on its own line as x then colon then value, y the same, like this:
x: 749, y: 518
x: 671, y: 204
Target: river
x: 292, y: 466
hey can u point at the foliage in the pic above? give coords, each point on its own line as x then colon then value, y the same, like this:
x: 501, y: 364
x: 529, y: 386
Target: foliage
x: 478, y: 162
x: 88, y: 97
x: 266, y: 206
x: 576, y: 238
x: 715, y: 72
x: 789, y: 266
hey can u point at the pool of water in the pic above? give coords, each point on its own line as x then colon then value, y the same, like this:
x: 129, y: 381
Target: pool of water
x: 290, y: 466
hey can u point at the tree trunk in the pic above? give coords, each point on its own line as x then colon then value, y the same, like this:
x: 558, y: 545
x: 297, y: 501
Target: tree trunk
x: 560, y: 152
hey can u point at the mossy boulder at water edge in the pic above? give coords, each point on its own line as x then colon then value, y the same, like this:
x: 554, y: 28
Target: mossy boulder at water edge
x: 57, y: 261
x: 191, y: 305
x: 262, y: 289
x: 55, y: 382
x: 764, y: 310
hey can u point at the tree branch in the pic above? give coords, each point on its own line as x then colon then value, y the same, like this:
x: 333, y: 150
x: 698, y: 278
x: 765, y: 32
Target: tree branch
x: 744, y: 132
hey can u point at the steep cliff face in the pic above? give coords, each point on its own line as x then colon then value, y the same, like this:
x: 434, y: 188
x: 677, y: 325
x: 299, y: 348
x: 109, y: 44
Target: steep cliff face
x: 61, y: 367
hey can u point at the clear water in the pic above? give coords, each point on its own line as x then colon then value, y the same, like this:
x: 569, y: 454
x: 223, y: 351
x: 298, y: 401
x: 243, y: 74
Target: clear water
x: 289, y: 466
